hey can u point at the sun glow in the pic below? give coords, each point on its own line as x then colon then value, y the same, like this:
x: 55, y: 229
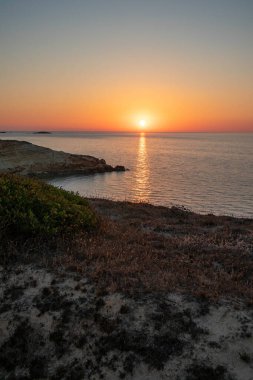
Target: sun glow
x: 142, y: 123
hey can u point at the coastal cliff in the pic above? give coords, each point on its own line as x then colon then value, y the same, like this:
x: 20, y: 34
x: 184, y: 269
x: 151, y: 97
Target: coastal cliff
x: 21, y: 157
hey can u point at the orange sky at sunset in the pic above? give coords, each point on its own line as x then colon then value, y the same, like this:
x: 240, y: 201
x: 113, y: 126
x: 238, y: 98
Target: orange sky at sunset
x: 93, y: 72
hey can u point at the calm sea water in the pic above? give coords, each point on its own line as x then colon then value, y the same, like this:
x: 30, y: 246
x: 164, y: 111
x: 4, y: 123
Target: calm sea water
x: 204, y: 172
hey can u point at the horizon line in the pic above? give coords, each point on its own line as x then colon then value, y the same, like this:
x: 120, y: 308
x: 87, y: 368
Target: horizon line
x: 111, y: 131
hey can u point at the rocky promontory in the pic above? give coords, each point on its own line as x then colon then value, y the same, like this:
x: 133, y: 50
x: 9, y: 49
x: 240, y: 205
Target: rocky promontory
x: 21, y: 157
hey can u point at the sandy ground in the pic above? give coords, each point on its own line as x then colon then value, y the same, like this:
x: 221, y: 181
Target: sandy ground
x: 56, y: 325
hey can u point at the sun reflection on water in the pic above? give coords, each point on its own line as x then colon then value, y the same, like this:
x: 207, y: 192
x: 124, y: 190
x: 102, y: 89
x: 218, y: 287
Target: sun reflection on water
x: 142, y: 178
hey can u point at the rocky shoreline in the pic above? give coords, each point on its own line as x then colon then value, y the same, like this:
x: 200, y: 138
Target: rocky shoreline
x: 24, y: 158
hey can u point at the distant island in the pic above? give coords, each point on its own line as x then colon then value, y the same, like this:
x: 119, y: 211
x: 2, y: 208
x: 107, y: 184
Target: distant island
x: 21, y: 157
x: 42, y: 133
x: 2, y: 132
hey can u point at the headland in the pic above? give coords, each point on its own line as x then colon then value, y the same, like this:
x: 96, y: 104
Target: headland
x: 24, y: 158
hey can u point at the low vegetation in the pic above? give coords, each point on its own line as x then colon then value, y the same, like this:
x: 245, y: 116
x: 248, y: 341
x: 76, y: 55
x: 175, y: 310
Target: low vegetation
x: 145, y: 248
x: 136, y: 248
x: 30, y: 208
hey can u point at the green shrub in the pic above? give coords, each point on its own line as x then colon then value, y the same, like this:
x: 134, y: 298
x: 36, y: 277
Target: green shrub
x: 32, y: 207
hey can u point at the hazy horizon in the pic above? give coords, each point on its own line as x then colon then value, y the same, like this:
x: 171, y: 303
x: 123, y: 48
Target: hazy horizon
x: 120, y: 132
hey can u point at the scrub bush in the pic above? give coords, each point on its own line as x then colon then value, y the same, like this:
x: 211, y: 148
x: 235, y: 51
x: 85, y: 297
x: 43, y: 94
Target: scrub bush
x: 32, y: 207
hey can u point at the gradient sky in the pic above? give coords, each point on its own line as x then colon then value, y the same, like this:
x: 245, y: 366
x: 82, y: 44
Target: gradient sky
x: 182, y: 65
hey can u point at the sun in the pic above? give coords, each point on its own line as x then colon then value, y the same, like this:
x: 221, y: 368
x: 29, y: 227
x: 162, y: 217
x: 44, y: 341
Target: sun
x: 142, y: 123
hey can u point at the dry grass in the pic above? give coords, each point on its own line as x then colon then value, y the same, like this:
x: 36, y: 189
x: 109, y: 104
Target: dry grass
x: 143, y: 248
x: 159, y: 249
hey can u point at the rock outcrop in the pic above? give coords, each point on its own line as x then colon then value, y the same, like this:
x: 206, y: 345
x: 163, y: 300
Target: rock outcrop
x: 21, y: 157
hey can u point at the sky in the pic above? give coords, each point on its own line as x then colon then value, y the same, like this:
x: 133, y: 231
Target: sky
x: 163, y: 65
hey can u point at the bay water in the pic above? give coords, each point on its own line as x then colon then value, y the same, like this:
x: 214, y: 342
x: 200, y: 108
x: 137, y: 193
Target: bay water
x: 205, y: 172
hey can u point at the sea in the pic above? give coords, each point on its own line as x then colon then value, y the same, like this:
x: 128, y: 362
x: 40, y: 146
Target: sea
x: 203, y: 172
